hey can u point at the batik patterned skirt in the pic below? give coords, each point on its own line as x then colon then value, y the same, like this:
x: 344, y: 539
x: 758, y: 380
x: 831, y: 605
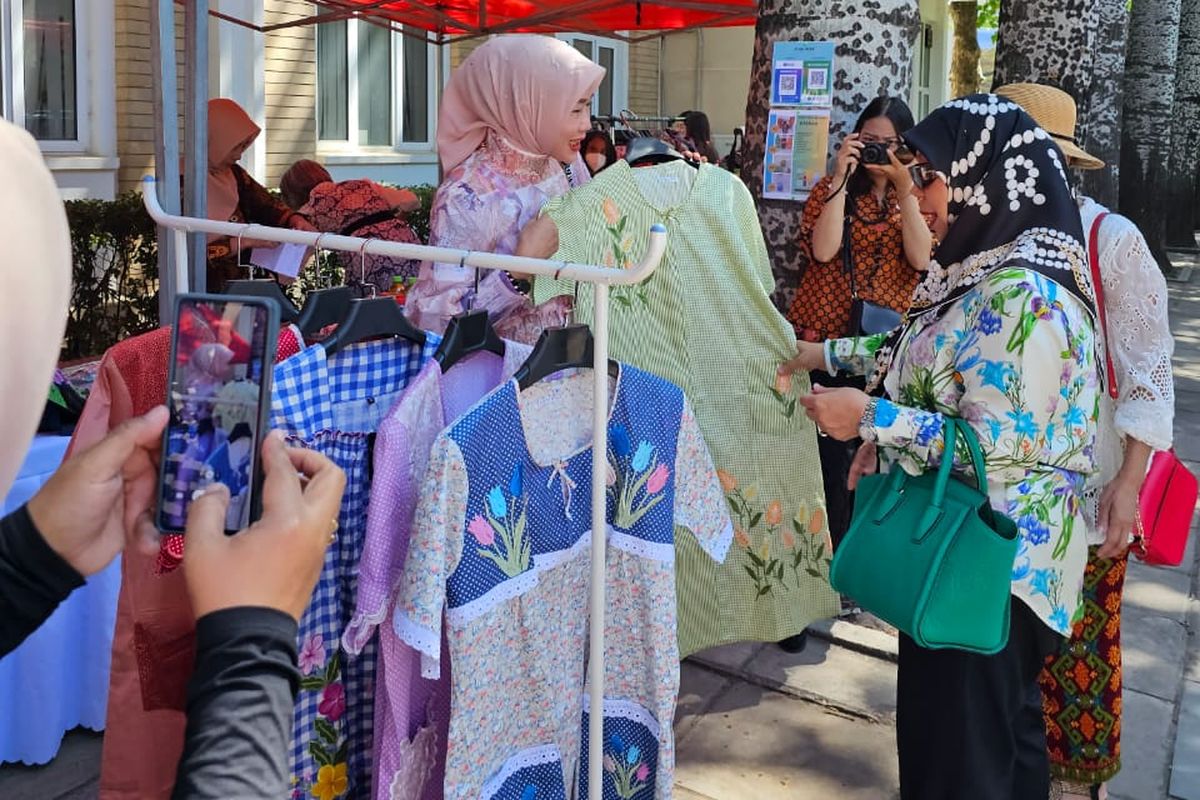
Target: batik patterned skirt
x: 1081, y: 686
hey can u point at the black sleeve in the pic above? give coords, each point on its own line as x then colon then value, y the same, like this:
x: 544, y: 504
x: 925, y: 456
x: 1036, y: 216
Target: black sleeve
x: 33, y: 579
x: 240, y: 702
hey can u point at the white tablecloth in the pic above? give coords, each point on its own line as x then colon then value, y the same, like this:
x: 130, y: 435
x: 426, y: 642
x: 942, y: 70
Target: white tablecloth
x: 58, y: 678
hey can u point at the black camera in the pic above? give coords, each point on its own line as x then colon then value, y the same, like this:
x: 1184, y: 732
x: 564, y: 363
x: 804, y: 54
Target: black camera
x: 875, y: 153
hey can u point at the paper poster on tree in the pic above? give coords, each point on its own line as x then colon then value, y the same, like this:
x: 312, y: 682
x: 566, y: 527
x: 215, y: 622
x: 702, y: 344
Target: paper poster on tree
x: 797, y: 141
x: 801, y: 74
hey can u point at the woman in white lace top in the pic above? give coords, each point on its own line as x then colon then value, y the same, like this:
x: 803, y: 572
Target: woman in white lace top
x: 1082, y: 706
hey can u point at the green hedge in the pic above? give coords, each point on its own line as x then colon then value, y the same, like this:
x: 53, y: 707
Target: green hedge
x: 115, y: 272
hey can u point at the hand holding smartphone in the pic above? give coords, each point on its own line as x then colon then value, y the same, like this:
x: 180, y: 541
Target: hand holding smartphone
x: 218, y: 395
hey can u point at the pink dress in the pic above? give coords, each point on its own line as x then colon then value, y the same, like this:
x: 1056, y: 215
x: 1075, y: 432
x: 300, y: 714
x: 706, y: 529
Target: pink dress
x: 412, y: 714
x: 482, y: 205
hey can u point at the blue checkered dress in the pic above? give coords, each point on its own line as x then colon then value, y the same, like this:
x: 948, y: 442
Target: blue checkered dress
x: 333, y: 406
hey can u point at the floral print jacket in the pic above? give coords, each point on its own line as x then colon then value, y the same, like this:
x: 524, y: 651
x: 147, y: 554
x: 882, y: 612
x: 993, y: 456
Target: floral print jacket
x: 1015, y: 358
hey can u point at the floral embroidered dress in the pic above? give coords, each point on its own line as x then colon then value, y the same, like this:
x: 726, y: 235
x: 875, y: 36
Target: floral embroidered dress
x: 501, y: 551
x: 334, y: 406
x: 412, y: 714
x: 482, y: 204
x: 1014, y: 357
x: 705, y: 321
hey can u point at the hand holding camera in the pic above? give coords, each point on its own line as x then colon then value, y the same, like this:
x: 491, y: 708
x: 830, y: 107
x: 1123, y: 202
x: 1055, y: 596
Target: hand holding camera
x: 848, y: 157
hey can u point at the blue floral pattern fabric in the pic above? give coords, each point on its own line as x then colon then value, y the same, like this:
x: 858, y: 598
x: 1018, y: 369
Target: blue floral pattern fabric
x: 1015, y: 358
x: 500, y: 550
x: 333, y: 406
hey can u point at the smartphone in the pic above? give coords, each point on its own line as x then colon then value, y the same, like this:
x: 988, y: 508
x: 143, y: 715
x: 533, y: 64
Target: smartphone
x: 219, y: 396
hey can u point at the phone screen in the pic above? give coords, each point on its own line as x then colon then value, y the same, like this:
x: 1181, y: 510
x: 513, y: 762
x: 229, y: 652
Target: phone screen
x: 218, y: 395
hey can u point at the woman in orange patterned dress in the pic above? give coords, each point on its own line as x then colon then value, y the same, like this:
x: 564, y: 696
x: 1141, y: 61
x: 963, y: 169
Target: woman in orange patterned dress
x: 878, y: 211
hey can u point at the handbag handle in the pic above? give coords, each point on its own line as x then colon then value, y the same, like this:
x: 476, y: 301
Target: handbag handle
x: 953, y: 428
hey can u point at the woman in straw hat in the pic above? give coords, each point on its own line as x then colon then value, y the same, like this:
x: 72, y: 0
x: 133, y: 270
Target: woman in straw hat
x: 1083, y: 714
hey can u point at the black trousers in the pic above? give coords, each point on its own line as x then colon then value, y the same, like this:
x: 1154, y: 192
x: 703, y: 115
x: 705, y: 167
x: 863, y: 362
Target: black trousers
x: 969, y: 727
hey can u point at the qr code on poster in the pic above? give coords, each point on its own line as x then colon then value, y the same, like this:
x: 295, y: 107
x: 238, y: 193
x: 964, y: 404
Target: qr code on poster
x: 787, y: 84
x: 818, y: 79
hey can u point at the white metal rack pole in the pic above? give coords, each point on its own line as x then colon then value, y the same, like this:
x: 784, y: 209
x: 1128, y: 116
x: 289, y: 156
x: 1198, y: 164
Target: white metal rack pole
x: 601, y: 277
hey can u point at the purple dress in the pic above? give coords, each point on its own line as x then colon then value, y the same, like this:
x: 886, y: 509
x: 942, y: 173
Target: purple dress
x: 412, y: 714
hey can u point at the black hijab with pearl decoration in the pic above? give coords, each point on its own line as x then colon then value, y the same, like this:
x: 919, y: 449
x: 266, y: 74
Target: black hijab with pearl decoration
x: 1010, y: 207
x: 1010, y: 202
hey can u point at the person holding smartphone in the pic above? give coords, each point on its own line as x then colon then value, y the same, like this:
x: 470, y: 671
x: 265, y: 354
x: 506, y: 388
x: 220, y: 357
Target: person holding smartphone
x: 247, y: 590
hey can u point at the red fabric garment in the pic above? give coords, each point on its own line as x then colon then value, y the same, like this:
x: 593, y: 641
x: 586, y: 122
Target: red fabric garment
x: 152, y: 643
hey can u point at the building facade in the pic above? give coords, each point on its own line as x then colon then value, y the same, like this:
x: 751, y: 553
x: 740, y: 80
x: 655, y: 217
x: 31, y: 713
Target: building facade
x: 78, y: 74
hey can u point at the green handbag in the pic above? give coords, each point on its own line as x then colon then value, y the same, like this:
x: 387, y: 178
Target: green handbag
x: 929, y: 554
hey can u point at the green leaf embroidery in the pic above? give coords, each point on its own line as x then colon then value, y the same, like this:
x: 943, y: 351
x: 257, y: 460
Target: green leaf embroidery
x: 312, y: 684
x: 320, y: 754
x: 331, y: 668
x: 326, y: 731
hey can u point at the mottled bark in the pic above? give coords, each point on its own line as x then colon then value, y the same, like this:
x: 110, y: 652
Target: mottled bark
x: 964, y: 60
x: 1146, y: 129
x: 1079, y: 47
x: 1101, y: 115
x: 874, y: 51
x: 1185, y: 132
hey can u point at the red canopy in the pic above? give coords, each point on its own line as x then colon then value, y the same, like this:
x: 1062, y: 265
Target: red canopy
x: 450, y: 20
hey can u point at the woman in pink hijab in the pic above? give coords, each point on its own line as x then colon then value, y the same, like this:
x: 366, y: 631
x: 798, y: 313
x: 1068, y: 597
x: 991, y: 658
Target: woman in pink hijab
x: 233, y: 195
x: 512, y: 118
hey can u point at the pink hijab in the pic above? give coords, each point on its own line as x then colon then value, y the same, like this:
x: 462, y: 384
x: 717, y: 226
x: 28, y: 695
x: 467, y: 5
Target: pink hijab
x: 521, y: 86
x: 36, y: 276
x: 228, y: 126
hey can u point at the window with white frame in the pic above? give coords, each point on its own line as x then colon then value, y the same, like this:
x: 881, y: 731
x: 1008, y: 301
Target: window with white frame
x: 613, y: 95
x: 374, y: 86
x: 43, y: 60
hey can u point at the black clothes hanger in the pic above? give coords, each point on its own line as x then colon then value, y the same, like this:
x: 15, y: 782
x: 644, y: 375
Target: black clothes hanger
x: 377, y: 316
x: 468, y: 333
x: 324, y: 307
x: 648, y: 150
x: 269, y: 289
x: 567, y: 347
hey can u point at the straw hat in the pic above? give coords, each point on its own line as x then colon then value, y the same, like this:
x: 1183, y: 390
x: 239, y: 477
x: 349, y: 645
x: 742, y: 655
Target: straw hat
x: 1053, y: 110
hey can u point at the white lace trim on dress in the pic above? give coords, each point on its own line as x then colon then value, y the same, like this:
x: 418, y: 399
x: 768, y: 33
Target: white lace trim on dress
x: 619, y: 708
x: 532, y: 757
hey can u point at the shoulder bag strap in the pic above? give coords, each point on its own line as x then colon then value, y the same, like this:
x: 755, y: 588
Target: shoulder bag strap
x: 847, y: 248
x: 1098, y: 286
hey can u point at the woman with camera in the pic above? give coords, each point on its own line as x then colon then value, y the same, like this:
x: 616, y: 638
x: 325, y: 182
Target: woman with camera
x: 864, y: 242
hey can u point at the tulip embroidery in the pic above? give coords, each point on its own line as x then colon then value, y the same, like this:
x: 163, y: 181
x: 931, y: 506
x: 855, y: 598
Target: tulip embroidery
x: 625, y: 767
x: 620, y: 246
x: 500, y: 529
x: 638, y: 478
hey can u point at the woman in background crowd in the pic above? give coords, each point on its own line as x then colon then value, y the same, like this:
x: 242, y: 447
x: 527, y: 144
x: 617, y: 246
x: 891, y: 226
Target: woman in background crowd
x: 876, y: 211
x: 233, y: 196
x: 513, y: 114
x: 598, y: 151
x: 355, y: 208
x: 1138, y: 422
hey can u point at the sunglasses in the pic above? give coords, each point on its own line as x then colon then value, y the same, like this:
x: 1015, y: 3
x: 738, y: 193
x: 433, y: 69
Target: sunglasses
x: 923, y: 175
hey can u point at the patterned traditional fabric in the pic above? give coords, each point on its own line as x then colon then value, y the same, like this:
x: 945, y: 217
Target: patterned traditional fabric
x: 1081, y: 687
x: 334, y: 406
x: 1015, y: 358
x: 705, y: 321
x: 821, y: 308
x: 501, y: 547
x: 483, y: 204
x: 412, y: 714
x: 335, y: 207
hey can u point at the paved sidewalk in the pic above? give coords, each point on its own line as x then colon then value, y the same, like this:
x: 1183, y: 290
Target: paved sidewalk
x: 757, y: 723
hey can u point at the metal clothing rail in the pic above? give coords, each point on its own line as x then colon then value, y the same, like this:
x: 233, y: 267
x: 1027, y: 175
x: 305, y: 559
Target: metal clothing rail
x: 600, y: 277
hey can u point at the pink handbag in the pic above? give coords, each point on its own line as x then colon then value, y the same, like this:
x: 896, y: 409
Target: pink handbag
x: 1168, y: 496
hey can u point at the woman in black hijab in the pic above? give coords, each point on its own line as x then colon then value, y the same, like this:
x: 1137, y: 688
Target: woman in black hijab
x: 1000, y: 334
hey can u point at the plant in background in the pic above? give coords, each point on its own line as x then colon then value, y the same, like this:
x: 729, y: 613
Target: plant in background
x: 114, y: 280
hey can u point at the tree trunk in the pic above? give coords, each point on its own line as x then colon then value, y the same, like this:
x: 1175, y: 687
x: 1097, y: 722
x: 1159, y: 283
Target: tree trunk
x: 1185, y: 133
x: 1077, y: 46
x: 1103, y: 112
x: 1146, y: 130
x: 964, y: 61
x: 874, y: 52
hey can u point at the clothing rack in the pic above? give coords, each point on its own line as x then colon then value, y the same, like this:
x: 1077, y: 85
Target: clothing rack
x: 600, y: 277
